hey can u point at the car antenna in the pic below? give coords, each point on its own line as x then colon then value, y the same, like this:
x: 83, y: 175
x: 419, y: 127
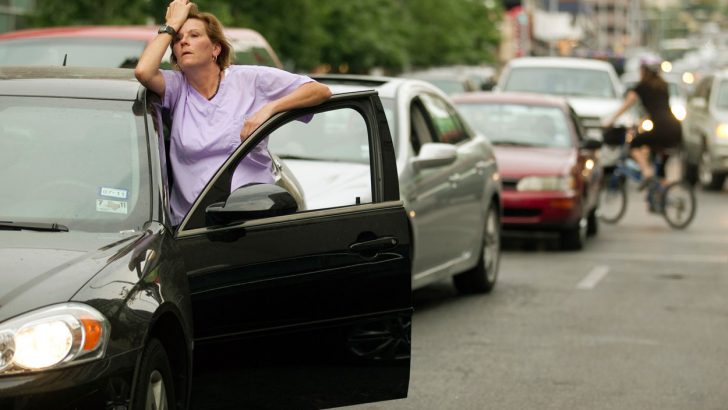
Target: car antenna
x: 65, y: 57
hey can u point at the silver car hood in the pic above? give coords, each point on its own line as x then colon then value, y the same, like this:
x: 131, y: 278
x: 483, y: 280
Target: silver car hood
x: 327, y: 184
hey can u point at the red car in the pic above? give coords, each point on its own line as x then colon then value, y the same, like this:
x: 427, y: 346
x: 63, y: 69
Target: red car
x: 112, y: 46
x: 550, y: 171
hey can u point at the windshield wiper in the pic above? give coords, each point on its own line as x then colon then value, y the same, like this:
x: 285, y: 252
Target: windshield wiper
x: 514, y: 143
x: 33, y: 226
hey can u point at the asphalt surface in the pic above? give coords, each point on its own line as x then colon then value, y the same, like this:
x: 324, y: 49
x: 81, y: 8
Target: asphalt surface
x: 636, y: 320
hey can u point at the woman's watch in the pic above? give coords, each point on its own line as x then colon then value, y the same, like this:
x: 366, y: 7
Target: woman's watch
x: 165, y: 28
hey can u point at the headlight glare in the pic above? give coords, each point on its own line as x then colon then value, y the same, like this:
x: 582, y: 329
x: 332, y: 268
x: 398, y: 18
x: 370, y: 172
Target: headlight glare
x: 52, y: 337
x: 43, y: 345
x: 721, y: 133
x: 549, y: 183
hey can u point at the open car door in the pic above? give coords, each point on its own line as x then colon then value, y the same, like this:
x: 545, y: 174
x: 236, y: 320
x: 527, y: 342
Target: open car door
x: 296, y: 307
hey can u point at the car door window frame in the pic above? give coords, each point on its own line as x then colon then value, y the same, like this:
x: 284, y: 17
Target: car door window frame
x: 367, y: 103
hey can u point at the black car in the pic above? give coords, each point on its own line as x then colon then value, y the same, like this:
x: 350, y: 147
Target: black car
x: 253, y: 301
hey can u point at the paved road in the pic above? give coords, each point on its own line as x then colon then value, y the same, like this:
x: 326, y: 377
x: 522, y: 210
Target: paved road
x: 637, y: 320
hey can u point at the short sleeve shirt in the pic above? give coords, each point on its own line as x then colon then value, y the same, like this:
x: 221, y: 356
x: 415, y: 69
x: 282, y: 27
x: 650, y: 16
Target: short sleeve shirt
x: 206, y: 132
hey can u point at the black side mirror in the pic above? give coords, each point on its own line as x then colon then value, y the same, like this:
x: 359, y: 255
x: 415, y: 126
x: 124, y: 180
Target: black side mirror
x: 250, y: 202
x: 591, y: 144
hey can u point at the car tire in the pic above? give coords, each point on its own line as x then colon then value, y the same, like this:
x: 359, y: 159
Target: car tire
x: 575, y: 237
x: 592, y: 223
x: 482, y: 278
x: 154, y: 387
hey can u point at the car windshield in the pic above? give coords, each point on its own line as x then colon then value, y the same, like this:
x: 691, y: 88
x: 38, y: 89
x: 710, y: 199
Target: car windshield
x: 572, y: 82
x: 80, y: 163
x: 517, y: 124
x: 83, y: 52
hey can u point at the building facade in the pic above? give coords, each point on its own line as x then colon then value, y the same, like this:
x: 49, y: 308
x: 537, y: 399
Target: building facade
x: 13, y: 14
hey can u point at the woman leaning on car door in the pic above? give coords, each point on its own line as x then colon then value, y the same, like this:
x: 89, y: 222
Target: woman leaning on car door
x: 214, y: 105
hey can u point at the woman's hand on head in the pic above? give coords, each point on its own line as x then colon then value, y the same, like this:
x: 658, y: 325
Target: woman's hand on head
x: 256, y: 120
x: 177, y: 13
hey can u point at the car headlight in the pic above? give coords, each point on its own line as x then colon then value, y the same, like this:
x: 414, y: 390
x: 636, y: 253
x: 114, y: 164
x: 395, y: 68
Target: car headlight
x: 678, y: 110
x: 52, y: 337
x: 553, y: 183
x: 721, y: 134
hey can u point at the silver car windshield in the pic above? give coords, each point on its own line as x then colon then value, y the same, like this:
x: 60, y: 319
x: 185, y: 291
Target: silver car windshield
x: 515, y: 124
x: 572, y: 82
x: 78, y: 52
x: 80, y: 163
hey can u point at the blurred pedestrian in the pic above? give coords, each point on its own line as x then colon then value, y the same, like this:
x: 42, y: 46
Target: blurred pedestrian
x: 652, y: 92
x: 215, y: 105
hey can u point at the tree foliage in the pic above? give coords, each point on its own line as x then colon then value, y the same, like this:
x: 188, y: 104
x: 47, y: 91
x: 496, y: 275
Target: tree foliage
x: 346, y: 36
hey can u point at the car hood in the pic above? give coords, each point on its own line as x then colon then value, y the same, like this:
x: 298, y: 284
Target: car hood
x: 594, y: 107
x: 326, y: 184
x: 43, y: 268
x: 517, y: 162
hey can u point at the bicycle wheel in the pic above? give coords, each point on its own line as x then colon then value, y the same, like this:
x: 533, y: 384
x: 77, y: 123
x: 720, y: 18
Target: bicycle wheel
x: 679, y: 205
x: 613, y: 199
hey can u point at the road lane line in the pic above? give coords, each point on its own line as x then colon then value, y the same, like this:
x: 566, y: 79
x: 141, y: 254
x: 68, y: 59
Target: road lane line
x: 592, y: 279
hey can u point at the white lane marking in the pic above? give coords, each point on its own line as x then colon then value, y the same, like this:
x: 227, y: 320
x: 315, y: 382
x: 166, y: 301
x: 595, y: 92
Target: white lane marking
x: 592, y: 279
x: 659, y: 257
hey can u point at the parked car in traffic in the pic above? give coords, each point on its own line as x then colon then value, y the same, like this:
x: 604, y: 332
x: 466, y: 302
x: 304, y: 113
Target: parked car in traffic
x: 254, y: 300
x: 448, y: 177
x: 450, y: 81
x: 705, y: 132
x: 113, y: 46
x: 550, y: 170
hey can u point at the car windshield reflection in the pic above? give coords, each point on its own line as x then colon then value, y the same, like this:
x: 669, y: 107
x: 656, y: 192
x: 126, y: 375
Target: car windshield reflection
x: 521, y: 125
x: 73, y: 162
x: 561, y: 81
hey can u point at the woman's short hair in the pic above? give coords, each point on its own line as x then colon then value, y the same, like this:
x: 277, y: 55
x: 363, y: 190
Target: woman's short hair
x: 215, y: 32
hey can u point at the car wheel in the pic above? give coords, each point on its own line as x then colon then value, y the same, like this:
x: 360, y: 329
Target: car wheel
x: 575, y: 237
x: 482, y: 278
x: 592, y: 223
x: 709, y: 180
x: 154, y: 388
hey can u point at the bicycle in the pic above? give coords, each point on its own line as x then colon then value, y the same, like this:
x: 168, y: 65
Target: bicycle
x: 675, y: 201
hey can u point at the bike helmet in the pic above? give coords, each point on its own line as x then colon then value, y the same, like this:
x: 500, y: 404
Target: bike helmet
x: 651, y: 63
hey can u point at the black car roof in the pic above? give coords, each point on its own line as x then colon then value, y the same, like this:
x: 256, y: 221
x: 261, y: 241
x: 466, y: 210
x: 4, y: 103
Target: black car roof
x: 73, y: 82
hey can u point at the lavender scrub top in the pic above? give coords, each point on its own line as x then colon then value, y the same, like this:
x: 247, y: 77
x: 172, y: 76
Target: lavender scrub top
x: 205, y: 133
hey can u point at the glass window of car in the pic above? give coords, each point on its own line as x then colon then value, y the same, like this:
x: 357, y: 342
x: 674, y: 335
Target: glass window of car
x: 446, y: 124
x: 328, y: 157
x: 85, y: 52
x: 574, y: 82
x: 519, y: 124
x: 721, y: 96
x: 77, y: 162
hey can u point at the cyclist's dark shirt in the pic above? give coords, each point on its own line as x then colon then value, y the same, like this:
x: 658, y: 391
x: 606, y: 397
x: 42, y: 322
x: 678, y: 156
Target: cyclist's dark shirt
x: 667, y: 130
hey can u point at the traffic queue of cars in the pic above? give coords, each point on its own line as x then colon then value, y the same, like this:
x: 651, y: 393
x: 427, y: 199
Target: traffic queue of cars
x: 288, y: 295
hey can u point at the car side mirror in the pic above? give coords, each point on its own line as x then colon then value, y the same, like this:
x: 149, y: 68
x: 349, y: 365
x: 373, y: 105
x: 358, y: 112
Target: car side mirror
x: 250, y: 202
x: 434, y: 154
x: 591, y: 144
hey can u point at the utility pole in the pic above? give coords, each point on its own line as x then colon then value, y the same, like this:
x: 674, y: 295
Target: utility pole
x: 553, y: 9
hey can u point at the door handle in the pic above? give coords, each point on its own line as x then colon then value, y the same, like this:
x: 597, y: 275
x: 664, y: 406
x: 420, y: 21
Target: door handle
x: 455, y: 178
x: 375, y: 245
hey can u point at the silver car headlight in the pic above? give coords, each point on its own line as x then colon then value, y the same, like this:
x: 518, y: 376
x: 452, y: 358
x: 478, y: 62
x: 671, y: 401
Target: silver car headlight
x: 549, y: 183
x: 52, y: 337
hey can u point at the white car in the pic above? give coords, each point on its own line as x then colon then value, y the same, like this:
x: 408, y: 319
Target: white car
x: 448, y: 177
x: 705, y: 132
x: 591, y: 87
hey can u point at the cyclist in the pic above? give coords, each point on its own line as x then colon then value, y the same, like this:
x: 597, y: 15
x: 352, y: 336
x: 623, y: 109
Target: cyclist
x: 666, y: 130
